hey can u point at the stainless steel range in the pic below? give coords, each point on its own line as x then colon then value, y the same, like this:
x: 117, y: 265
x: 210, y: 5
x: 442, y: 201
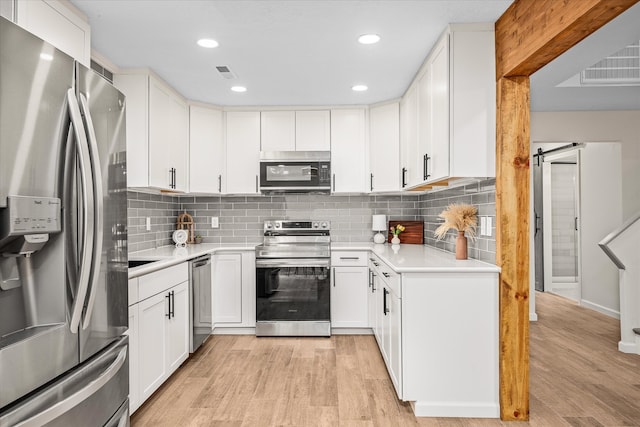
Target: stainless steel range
x: 293, y: 279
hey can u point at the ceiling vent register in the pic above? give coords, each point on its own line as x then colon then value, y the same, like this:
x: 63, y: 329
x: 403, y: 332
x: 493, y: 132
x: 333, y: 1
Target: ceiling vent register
x: 226, y: 72
x: 621, y: 68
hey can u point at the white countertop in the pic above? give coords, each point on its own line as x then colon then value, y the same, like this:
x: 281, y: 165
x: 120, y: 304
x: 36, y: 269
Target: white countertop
x: 402, y: 258
x: 419, y: 258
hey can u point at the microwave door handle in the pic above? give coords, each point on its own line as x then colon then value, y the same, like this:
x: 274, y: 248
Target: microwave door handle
x: 88, y: 226
x: 98, y: 206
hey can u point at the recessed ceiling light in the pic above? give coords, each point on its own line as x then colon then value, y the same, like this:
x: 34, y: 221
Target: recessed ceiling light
x: 359, y: 88
x: 208, y: 43
x: 369, y: 38
x: 238, y: 88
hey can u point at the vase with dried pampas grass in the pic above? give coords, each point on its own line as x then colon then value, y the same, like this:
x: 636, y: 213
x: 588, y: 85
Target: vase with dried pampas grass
x: 462, y: 218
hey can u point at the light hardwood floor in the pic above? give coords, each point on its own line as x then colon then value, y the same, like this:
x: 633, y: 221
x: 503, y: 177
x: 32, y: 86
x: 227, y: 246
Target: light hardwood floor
x: 578, y: 378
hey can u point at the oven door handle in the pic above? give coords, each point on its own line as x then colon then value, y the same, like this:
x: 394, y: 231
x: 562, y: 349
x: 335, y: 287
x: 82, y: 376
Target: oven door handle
x: 293, y: 262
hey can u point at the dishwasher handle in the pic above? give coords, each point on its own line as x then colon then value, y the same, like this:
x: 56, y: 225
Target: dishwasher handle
x: 200, y: 262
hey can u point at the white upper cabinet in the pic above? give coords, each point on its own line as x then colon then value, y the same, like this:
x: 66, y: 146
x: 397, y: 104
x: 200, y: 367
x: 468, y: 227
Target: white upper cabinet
x: 455, y: 109
x: 295, y: 131
x: 409, y: 137
x: 313, y: 130
x: 278, y: 130
x: 157, y: 133
x: 54, y: 22
x: 348, y: 151
x: 384, y: 150
x: 206, y: 150
x: 243, y: 152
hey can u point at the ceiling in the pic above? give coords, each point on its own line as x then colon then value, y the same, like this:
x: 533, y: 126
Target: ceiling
x: 305, y: 52
x: 284, y: 52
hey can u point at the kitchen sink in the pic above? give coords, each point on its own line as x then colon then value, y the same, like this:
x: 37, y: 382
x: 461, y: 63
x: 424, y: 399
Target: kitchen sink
x: 139, y: 262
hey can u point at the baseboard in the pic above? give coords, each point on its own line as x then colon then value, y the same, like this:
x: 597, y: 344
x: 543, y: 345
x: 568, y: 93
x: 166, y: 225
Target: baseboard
x: 628, y: 347
x: 233, y: 331
x: 600, y: 309
x: 456, y: 409
x: 351, y: 331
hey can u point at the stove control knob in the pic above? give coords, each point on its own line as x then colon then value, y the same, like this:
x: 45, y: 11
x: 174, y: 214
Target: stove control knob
x: 269, y: 226
x: 324, y: 225
x: 315, y: 225
x: 277, y: 225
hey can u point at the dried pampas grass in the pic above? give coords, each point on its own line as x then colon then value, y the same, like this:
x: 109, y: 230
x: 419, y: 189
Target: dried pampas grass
x: 460, y: 217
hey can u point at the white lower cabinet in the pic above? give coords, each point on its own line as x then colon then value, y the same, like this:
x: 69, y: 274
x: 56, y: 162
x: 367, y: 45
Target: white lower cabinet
x: 234, y: 290
x: 387, y: 321
x: 158, y: 330
x: 349, y: 290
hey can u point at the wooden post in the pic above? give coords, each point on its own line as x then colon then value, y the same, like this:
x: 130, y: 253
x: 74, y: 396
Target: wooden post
x: 512, y: 244
x: 529, y: 35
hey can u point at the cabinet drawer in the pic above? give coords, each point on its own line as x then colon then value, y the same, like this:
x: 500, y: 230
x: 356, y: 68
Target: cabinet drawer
x: 386, y: 274
x: 348, y: 259
x: 133, y: 291
x: 161, y: 280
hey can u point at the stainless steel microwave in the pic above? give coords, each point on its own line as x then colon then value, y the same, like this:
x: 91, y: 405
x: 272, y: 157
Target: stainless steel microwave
x: 295, y: 171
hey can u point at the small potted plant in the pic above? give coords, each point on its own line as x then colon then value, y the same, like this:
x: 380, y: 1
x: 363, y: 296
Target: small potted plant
x: 462, y: 218
x: 396, y: 231
x: 198, y: 239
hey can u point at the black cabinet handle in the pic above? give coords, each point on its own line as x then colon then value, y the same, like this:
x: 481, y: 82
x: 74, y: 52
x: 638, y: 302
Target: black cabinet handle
x: 333, y: 178
x: 385, y: 310
x: 173, y: 304
x: 219, y: 183
x: 371, y: 182
x: 168, y: 297
x: 373, y: 282
x: 404, y: 174
x: 256, y: 183
x: 425, y: 166
x: 385, y: 274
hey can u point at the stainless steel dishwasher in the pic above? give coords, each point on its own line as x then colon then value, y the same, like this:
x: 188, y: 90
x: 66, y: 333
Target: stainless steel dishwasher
x: 199, y: 301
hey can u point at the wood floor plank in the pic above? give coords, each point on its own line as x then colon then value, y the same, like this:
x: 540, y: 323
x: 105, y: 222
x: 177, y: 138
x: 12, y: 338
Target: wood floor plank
x: 578, y: 378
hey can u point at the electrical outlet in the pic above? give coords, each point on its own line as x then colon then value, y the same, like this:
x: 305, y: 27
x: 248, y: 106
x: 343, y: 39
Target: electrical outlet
x: 483, y: 225
x: 148, y: 226
x: 214, y: 222
x: 489, y: 226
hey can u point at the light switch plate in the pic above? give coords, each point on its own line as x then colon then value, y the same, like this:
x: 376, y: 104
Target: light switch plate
x: 489, y: 225
x: 148, y: 223
x: 214, y: 222
x: 483, y: 225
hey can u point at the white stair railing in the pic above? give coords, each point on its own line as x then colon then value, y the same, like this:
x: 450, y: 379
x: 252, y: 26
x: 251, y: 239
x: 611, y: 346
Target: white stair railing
x: 623, y: 247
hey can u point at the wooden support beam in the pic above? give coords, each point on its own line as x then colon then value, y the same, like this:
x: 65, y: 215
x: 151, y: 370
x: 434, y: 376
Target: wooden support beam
x: 512, y: 244
x: 532, y: 33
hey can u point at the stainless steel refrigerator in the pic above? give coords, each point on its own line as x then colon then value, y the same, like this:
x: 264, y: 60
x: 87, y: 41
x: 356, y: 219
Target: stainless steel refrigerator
x: 63, y: 241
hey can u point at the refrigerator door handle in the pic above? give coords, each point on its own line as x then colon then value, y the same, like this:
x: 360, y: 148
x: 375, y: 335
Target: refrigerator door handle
x: 78, y: 397
x: 84, y: 159
x: 98, y: 206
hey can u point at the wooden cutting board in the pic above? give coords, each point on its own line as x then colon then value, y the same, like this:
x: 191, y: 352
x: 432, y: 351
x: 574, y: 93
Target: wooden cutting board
x: 413, y: 233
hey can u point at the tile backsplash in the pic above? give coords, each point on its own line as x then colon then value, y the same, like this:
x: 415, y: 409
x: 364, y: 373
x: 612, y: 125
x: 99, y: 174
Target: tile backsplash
x: 241, y: 217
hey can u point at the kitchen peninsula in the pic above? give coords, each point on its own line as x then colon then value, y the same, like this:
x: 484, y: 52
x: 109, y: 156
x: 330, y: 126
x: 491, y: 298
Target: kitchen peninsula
x: 435, y: 318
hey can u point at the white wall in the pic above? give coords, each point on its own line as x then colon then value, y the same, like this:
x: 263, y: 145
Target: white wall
x: 599, y: 126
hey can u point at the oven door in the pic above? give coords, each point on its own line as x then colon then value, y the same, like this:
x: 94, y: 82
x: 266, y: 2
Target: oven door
x: 292, y: 290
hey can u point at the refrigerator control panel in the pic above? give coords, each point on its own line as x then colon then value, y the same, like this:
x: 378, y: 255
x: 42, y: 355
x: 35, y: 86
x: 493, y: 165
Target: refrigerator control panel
x: 31, y: 215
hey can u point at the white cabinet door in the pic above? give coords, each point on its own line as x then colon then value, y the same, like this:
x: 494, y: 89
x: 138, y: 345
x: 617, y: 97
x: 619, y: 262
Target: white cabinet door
x: 55, y: 23
x: 384, y: 122
x: 437, y: 160
x: 178, y: 327
x: 243, y: 151
x: 394, y: 334
x: 348, y: 148
x: 409, y: 138
x: 152, y: 327
x: 168, y: 133
x: 349, y: 298
x: 313, y: 130
x: 278, y: 131
x: 206, y: 150
x: 134, y: 387
x: 227, y: 288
